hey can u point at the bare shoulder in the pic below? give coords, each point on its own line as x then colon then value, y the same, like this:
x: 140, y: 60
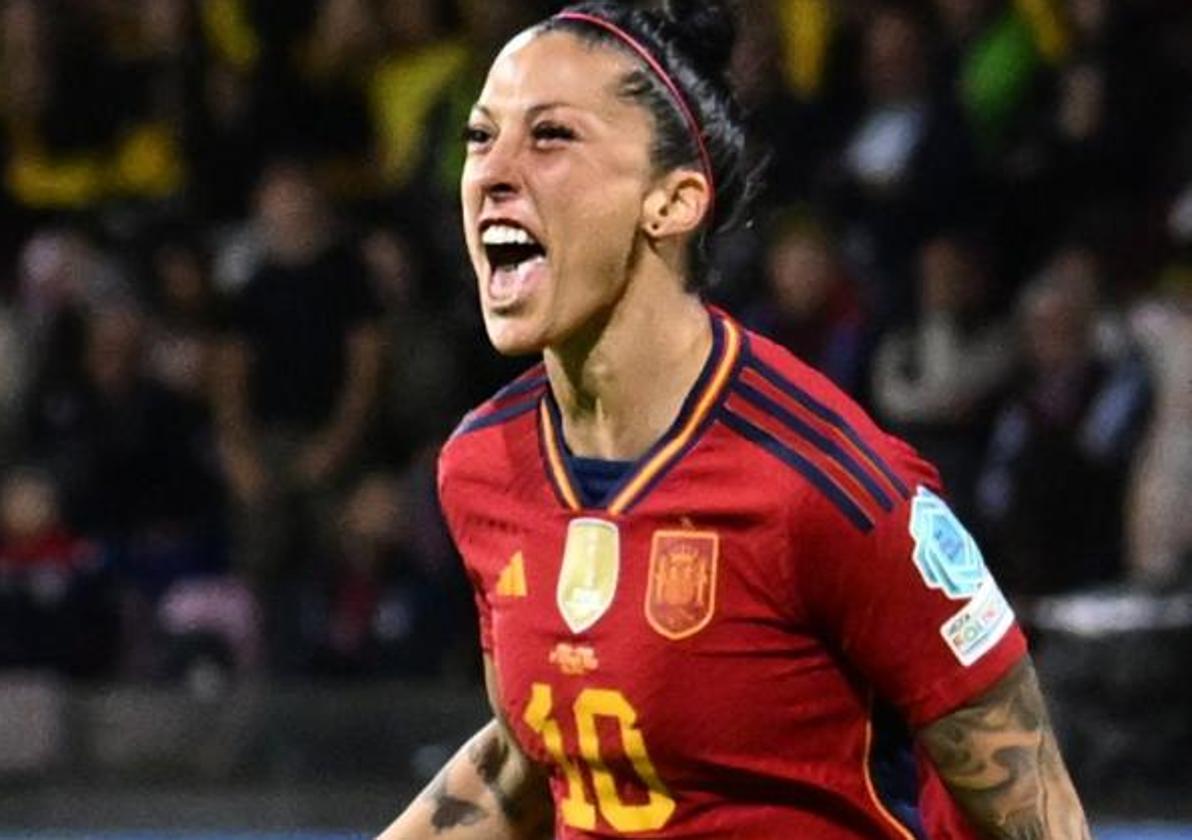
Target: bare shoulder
x: 999, y: 757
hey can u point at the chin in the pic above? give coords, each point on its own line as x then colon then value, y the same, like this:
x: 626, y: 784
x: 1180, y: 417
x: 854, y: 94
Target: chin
x: 512, y: 335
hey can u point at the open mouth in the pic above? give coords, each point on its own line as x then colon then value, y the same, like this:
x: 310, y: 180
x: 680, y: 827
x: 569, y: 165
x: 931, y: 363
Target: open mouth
x: 508, y: 246
x: 518, y: 265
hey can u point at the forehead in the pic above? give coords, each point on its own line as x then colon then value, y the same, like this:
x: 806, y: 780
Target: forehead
x: 558, y: 68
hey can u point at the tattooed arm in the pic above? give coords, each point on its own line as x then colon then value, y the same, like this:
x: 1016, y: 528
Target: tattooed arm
x: 488, y: 791
x: 999, y: 758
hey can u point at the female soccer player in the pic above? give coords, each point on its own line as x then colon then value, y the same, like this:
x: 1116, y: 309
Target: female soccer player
x: 715, y: 600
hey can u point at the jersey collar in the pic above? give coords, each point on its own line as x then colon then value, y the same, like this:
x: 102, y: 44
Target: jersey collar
x: 648, y: 470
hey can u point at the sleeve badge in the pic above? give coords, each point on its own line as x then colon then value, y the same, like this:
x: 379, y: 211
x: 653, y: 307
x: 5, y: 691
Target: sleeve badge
x: 949, y: 560
x: 945, y: 553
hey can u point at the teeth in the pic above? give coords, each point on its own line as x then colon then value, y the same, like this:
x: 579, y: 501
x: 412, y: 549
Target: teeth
x: 506, y: 235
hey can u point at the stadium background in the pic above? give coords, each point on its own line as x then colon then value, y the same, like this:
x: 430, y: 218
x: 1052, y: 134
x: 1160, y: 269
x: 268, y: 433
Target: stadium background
x: 235, y: 323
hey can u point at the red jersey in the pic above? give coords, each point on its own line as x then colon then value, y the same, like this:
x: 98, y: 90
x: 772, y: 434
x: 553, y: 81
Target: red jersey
x: 726, y: 644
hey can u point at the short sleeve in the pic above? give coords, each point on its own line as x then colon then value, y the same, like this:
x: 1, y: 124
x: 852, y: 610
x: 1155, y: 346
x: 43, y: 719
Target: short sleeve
x: 911, y: 604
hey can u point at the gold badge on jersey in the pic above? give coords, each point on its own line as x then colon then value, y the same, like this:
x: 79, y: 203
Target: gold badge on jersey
x: 588, y: 578
x: 681, y: 595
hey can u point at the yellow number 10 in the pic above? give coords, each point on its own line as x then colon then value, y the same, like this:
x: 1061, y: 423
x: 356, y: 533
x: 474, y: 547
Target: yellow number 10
x: 577, y: 811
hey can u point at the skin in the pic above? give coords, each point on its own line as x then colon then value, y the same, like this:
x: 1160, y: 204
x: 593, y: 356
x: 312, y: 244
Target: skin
x: 488, y: 790
x: 553, y: 148
x: 999, y: 757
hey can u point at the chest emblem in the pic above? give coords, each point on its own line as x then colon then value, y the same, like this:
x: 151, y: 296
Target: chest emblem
x: 681, y: 596
x: 588, y: 577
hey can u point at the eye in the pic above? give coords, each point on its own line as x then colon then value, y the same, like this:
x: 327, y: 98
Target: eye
x: 474, y: 135
x: 551, y: 132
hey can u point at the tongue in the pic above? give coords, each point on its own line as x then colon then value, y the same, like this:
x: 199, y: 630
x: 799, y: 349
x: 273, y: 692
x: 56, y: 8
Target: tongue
x: 510, y: 284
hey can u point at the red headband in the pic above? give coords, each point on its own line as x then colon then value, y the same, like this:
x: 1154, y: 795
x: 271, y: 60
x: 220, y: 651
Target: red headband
x: 660, y: 72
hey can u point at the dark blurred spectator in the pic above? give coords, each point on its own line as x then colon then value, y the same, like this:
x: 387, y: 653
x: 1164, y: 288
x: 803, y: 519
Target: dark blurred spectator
x: 1051, y: 492
x: 91, y: 108
x: 132, y: 459
x: 56, y: 610
x: 183, y: 318
x: 1160, y: 530
x: 1097, y: 130
x: 400, y: 53
x: 996, y: 50
x: 206, y: 623
x: 424, y: 374
x: 313, y: 59
x: 63, y: 271
x: 936, y: 380
x: 906, y: 168
x: 232, y: 131
x: 14, y: 373
x: 1113, y: 99
x: 386, y: 611
x: 1077, y: 270
x: 298, y: 381
x: 63, y: 274
x: 811, y: 305
x: 263, y: 93
x: 787, y: 73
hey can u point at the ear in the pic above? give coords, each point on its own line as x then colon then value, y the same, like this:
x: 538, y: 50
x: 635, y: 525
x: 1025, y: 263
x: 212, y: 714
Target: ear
x: 676, y: 205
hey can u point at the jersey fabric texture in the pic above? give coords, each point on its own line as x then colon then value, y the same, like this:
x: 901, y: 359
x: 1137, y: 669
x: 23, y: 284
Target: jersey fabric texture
x: 736, y: 639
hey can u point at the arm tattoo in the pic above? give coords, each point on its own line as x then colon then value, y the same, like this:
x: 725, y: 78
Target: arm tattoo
x: 999, y: 758
x: 451, y: 811
x: 490, y: 758
x: 520, y: 794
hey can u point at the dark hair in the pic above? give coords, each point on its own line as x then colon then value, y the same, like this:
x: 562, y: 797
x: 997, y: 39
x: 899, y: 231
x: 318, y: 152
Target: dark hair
x: 693, y: 41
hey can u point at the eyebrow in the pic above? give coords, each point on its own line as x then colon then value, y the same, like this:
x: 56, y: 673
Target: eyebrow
x: 532, y: 111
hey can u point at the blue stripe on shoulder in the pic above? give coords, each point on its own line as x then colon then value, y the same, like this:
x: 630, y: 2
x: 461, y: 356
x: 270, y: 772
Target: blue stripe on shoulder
x: 825, y: 444
x: 473, y: 424
x: 800, y: 464
x: 828, y: 416
x: 519, y: 386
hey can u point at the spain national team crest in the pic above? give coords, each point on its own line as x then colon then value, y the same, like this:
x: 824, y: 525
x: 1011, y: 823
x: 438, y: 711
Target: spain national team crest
x: 588, y: 577
x: 681, y: 596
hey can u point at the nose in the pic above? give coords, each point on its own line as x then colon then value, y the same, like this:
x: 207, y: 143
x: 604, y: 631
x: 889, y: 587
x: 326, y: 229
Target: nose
x: 497, y: 173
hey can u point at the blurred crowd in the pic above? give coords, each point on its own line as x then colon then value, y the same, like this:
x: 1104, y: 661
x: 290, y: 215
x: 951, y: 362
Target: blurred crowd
x: 236, y: 321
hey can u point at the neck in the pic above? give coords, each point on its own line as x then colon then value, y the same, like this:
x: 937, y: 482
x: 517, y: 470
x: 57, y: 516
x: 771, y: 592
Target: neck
x: 621, y: 383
